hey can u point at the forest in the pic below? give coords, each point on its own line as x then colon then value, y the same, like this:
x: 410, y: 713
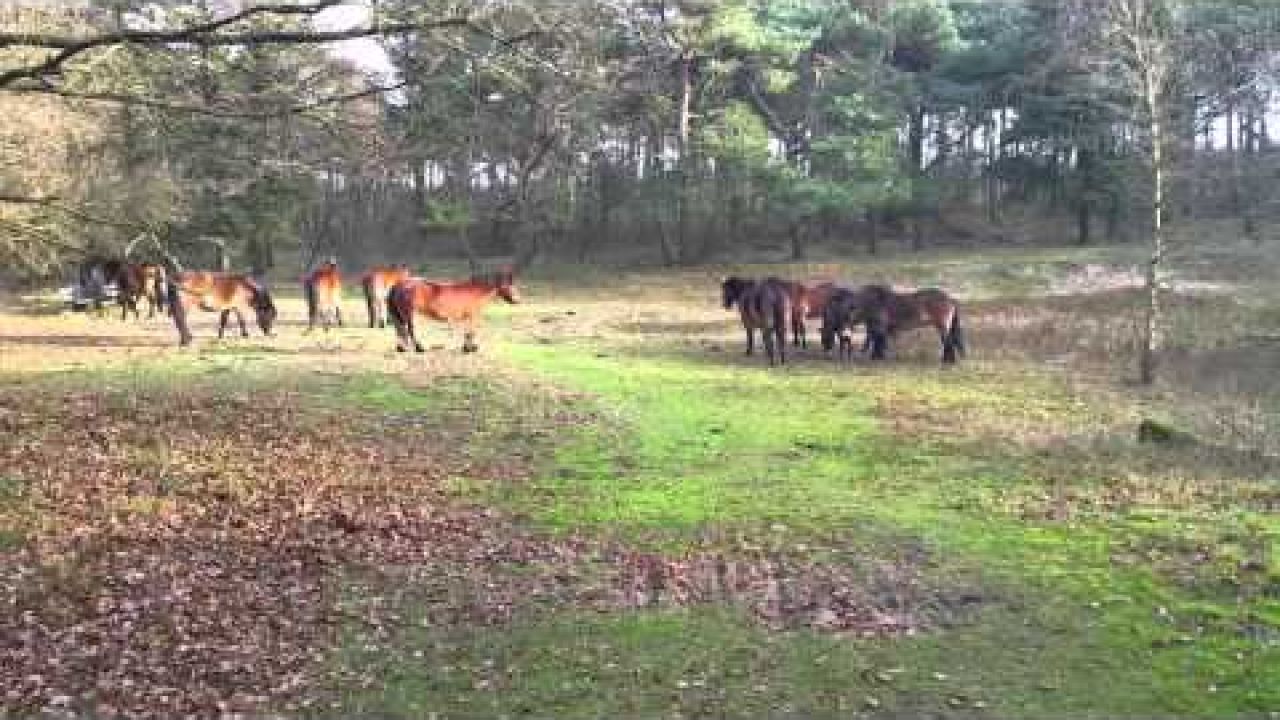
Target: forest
x: 544, y: 479
x: 632, y: 132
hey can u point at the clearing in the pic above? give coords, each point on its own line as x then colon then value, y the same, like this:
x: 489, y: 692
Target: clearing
x: 609, y: 511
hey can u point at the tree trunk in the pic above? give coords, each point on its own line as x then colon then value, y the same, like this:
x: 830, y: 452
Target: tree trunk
x: 799, y: 251
x: 873, y: 232
x: 915, y: 155
x: 684, y: 163
x: 1152, y: 335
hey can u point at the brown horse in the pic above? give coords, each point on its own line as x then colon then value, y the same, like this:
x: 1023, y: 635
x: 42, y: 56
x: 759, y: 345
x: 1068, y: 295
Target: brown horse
x: 887, y: 312
x: 136, y: 282
x: 453, y: 303
x: 807, y: 301
x: 223, y: 293
x: 763, y: 305
x: 376, y: 283
x: 323, y: 290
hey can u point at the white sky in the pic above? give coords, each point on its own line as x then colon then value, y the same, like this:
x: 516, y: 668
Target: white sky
x: 365, y: 52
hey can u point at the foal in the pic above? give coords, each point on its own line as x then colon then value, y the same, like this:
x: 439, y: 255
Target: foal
x: 453, y: 303
x: 223, y: 293
x: 143, y: 281
x: 764, y: 305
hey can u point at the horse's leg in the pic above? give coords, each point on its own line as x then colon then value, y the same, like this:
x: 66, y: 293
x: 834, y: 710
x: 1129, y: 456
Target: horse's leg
x: 948, y: 347
x: 402, y: 337
x: 244, y: 332
x: 780, y: 332
x: 751, y: 341
x: 413, y: 337
x: 469, y: 335
x: 222, y: 323
x: 771, y: 346
x: 879, y: 344
x: 337, y: 313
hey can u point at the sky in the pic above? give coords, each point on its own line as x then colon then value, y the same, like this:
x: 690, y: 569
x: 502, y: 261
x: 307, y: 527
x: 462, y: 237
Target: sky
x: 365, y: 52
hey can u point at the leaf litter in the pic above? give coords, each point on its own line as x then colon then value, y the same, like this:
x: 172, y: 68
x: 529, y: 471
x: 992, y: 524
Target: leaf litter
x: 201, y: 553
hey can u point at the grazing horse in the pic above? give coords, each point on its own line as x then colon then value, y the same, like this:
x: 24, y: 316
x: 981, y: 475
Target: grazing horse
x: 223, y: 293
x: 453, y: 303
x: 807, y: 301
x: 376, y: 283
x: 323, y: 290
x: 887, y: 312
x: 763, y: 305
x: 143, y: 281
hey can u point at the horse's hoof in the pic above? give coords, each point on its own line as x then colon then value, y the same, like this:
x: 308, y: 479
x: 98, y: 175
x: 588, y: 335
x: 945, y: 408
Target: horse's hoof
x: 419, y: 348
x: 470, y: 348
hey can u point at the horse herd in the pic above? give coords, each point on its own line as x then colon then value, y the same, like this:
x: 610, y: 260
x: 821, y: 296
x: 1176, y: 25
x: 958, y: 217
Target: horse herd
x: 770, y: 305
x: 390, y: 292
x: 767, y: 306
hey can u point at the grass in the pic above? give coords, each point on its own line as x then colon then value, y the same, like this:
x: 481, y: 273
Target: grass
x: 1067, y: 628
x: 1062, y: 570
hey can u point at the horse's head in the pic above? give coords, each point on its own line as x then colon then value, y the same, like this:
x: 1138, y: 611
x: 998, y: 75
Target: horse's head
x: 732, y: 289
x: 504, y: 282
x: 264, y: 308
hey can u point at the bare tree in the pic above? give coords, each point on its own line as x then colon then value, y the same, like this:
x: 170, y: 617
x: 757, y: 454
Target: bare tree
x: 1140, y: 31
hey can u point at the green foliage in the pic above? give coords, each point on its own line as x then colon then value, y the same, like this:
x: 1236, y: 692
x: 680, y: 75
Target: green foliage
x: 446, y: 215
x: 737, y: 137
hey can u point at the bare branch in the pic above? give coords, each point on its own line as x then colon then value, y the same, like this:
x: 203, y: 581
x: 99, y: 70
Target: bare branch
x: 11, y: 199
x: 65, y: 42
x: 205, y: 35
x: 126, y: 99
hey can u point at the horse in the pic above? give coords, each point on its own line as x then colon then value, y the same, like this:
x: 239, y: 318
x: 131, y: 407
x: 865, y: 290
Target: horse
x: 763, y: 305
x: 93, y: 278
x: 140, y: 281
x: 807, y: 301
x: 376, y: 283
x: 887, y: 312
x: 224, y: 293
x: 323, y: 290
x: 453, y: 303
x: 838, y: 321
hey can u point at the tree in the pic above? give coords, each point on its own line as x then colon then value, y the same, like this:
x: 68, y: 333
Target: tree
x: 1140, y: 34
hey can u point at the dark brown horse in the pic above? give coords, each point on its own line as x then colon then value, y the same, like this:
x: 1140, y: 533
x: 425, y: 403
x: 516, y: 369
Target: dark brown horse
x: 377, y: 282
x: 764, y: 305
x: 141, y: 281
x: 887, y: 312
x: 224, y: 293
x: 453, y: 303
x: 322, y: 288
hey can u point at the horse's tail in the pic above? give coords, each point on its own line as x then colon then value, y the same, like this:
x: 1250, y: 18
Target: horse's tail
x: 370, y: 299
